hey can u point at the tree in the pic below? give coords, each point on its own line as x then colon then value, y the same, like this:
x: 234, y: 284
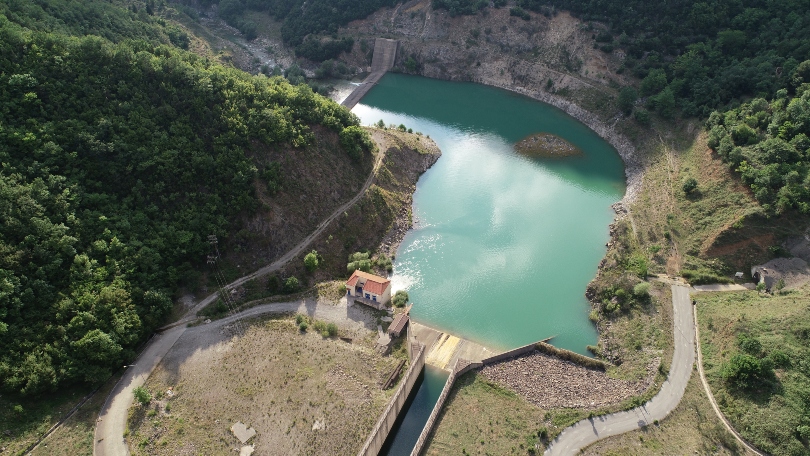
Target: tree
x: 689, y: 185
x: 400, y: 298
x: 627, y: 98
x: 311, y: 261
x: 142, y: 395
x: 654, y: 82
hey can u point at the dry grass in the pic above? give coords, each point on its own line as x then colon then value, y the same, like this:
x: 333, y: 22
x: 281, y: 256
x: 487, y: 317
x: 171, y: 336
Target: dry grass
x: 692, y: 428
x: 273, y: 378
x: 481, y: 417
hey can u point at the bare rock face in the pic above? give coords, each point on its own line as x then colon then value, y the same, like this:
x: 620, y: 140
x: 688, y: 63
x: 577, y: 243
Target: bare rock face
x: 546, y: 145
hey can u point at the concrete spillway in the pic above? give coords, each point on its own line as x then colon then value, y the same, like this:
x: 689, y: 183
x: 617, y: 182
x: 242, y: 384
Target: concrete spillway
x: 385, y: 53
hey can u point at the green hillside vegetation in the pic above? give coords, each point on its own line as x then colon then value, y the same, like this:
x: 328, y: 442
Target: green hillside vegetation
x: 698, y: 54
x: 118, y: 160
x: 96, y: 17
x: 756, y: 352
x: 767, y: 144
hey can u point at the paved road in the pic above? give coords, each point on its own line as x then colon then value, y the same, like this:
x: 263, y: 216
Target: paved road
x: 586, y: 432
x: 109, y: 432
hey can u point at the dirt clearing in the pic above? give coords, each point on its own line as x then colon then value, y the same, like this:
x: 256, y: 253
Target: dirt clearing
x: 301, y: 392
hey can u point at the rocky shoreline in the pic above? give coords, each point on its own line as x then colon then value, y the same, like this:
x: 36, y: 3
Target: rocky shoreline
x: 428, y: 155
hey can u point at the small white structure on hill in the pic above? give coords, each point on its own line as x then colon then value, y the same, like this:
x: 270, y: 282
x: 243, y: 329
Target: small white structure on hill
x: 369, y: 289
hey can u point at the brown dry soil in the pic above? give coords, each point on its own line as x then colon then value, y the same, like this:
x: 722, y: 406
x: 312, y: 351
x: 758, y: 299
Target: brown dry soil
x: 303, y: 393
x: 378, y: 222
x: 546, y: 145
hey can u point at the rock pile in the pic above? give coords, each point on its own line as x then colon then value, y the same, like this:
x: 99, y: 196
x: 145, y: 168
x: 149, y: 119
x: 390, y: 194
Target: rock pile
x: 549, y: 382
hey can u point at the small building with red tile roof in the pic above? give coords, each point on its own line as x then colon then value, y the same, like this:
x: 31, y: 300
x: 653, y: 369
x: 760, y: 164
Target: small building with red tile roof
x: 369, y: 287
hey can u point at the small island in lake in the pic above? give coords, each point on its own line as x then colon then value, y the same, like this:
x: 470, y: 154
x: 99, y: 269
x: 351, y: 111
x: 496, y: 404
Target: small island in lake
x: 546, y: 145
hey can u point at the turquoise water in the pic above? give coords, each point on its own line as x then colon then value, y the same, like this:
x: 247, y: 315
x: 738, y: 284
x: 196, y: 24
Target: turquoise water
x: 504, y: 245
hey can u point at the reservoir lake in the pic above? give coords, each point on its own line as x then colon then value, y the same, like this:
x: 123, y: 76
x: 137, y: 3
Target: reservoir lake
x: 503, y: 246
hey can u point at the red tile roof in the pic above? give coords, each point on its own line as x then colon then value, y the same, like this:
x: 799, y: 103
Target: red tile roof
x: 374, y: 284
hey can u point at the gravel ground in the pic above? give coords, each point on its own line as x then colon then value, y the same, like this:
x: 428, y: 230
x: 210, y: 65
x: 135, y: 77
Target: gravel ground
x: 549, y: 382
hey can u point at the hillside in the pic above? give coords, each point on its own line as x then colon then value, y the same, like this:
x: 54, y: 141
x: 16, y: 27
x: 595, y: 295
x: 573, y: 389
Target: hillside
x: 121, y: 158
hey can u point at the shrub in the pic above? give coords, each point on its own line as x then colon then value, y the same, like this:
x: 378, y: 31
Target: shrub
x: 291, y: 284
x: 637, y: 264
x: 749, y: 344
x: 642, y: 116
x: 331, y: 329
x: 689, y: 185
x: 311, y: 261
x: 519, y: 12
x: 142, y: 395
x: 273, y: 283
x: 745, y: 371
x: 641, y: 290
x: 400, y: 298
x: 780, y: 359
x: 299, y: 319
x: 19, y: 410
x: 627, y: 98
x: 303, y: 326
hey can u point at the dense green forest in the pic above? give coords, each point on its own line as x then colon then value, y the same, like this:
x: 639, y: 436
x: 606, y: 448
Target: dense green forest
x: 702, y: 54
x: 308, y: 25
x: 119, y: 156
x: 768, y: 143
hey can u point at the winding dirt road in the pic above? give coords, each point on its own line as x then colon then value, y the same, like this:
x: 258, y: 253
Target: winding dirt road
x: 112, y: 421
x: 588, y: 431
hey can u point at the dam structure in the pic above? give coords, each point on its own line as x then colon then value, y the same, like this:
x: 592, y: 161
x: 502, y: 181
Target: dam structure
x: 385, y: 53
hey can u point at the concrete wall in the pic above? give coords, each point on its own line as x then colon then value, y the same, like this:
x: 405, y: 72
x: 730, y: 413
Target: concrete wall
x: 509, y: 354
x: 389, y: 415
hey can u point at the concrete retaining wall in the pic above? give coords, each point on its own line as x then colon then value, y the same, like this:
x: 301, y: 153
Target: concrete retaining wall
x: 389, y: 415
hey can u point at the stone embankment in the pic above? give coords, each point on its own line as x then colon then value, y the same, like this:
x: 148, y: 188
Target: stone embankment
x: 549, y: 382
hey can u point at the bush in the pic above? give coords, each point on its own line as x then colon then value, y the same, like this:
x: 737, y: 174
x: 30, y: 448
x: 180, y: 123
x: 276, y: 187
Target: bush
x: 746, y: 372
x: 142, y: 395
x: 641, y: 290
x: 519, y: 12
x: 311, y: 261
x: 749, y: 345
x: 689, y: 185
x: 400, y: 298
x: 273, y: 283
x: 627, y: 98
x: 303, y: 326
x: 291, y: 285
x: 331, y: 329
x: 299, y: 319
x: 642, y: 116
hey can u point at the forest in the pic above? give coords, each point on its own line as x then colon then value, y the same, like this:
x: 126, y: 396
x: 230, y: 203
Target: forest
x: 768, y: 144
x: 702, y: 54
x: 121, y: 155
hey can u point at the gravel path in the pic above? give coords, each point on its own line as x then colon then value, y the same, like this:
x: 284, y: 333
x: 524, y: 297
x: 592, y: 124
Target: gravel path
x: 588, y: 431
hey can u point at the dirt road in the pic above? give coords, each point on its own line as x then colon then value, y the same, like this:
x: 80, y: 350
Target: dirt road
x: 586, y: 432
x: 111, y: 425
